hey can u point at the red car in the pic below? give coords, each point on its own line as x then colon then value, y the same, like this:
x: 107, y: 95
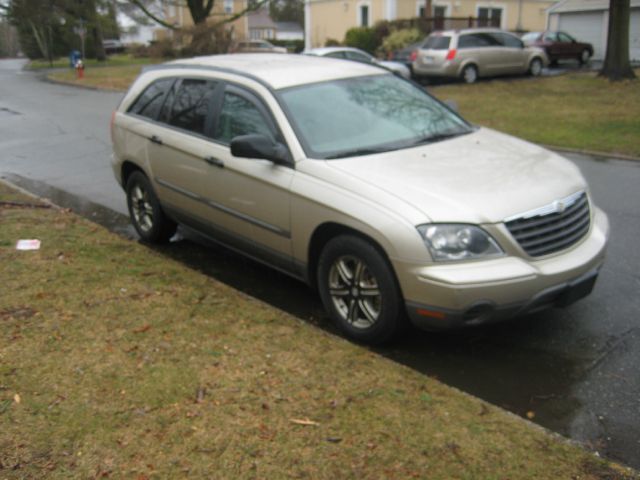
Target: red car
x: 559, y: 46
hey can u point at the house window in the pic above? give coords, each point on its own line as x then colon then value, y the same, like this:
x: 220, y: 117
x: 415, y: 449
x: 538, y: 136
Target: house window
x: 364, y: 15
x: 228, y: 6
x: 489, y: 17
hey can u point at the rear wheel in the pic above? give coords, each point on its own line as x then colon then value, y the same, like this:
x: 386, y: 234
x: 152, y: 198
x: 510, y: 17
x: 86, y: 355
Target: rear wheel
x: 359, y: 290
x: 535, y: 67
x: 147, y: 216
x: 469, y: 74
x: 584, y: 57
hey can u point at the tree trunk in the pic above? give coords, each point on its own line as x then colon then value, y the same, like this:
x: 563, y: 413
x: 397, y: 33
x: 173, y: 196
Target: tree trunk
x: 616, y: 64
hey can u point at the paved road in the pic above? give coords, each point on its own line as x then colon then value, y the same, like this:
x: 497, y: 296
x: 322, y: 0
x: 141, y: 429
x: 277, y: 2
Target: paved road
x: 575, y: 369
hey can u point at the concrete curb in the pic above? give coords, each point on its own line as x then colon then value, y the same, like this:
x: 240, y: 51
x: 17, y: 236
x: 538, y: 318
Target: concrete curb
x: 46, y: 78
x: 592, y: 153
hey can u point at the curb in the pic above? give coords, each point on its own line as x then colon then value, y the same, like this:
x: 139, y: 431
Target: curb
x: 602, y: 156
x: 48, y: 79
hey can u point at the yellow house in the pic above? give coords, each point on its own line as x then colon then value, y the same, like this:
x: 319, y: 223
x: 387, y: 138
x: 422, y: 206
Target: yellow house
x: 330, y: 19
x: 180, y: 16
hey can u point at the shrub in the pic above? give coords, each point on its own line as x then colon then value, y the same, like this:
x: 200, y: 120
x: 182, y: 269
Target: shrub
x: 399, y: 39
x: 363, y: 38
x: 332, y: 42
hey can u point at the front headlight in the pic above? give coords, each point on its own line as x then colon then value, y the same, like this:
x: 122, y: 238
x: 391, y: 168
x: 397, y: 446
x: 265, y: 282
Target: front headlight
x: 458, y: 242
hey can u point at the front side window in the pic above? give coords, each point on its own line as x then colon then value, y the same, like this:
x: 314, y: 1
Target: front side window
x: 239, y: 116
x: 149, y: 103
x: 363, y: 115
x: 508, y: 40
x: 192, y: 104
x: 563, y: 37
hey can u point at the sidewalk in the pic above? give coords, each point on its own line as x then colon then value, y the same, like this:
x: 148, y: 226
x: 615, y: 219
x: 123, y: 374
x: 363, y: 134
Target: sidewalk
x: 117, y: 362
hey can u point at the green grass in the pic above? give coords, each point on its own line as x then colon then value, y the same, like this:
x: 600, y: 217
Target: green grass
x: 118, y: 362
x: 122, y: 59
x: 577, y: 110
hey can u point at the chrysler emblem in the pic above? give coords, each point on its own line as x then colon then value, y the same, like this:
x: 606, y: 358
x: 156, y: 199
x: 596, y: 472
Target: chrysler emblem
x: 559, y: 206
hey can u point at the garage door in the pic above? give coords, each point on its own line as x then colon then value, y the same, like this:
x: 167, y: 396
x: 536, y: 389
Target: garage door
x: 634, y: 35
x: 585, y: 27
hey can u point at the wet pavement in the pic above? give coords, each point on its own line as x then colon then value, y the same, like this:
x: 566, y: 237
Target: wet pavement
x: 574, y: 370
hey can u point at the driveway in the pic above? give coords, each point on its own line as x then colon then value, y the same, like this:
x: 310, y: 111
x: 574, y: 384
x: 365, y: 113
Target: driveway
x: 574, y: 371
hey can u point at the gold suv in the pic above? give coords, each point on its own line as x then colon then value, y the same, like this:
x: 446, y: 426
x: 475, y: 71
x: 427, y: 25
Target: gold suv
x: 359, y: 183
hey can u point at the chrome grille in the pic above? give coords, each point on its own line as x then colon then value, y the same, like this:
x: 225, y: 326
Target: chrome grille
x: 552, y: 228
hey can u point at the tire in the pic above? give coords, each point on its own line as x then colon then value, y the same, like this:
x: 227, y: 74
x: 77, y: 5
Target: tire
x: 147, y: 216
x: 359, y: 290
x: 584, y: 57
x: 535, y: 67
x: 469, y: 74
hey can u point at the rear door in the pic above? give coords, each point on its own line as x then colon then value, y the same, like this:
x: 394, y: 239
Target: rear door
x: 179, y: 147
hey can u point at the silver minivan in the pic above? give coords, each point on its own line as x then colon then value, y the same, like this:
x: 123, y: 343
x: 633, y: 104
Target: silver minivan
x: 359, y: 183
x: 478, y: 52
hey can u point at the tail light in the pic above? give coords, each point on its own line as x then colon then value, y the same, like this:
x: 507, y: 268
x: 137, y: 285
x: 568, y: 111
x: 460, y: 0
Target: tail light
x: 413, y: 56
x: 451, y: 54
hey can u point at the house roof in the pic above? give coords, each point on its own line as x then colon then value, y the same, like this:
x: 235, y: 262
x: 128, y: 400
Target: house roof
x: 584, y: 5
x: 288, y: 27
x: 260, y: 19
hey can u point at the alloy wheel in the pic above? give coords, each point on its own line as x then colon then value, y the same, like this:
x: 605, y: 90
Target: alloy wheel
x: 355, y: 292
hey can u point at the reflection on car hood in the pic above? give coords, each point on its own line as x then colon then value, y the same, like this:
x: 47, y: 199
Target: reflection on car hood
x: 483, y: 177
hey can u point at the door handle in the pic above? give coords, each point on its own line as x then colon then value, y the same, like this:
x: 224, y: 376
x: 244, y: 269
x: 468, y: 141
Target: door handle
x: 216, y: 162
x: 155, y: 139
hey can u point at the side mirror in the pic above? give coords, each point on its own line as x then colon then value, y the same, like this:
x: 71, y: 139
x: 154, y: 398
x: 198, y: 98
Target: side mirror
x: 260, y: 147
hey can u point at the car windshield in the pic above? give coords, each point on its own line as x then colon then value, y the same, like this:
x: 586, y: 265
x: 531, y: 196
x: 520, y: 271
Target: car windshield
x: 362, y: 115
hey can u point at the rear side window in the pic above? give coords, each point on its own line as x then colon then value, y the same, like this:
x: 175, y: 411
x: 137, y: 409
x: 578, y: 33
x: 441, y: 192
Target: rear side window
x: 478, y: 40
x: 149, y: 103
x: 191, y: 105
x: 437, y: 42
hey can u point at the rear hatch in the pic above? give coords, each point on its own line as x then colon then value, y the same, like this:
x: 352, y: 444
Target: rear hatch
x: 435, y: 50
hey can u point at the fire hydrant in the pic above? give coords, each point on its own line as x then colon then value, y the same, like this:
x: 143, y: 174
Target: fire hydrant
x: 80, y: 69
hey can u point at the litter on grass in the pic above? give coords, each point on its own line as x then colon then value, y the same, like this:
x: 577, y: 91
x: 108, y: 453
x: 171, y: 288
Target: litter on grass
x: 28, y: 244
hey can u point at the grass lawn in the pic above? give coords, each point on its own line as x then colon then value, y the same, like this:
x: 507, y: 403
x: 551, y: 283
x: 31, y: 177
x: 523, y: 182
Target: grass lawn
x: 118, y: 362
x: 577, y: 110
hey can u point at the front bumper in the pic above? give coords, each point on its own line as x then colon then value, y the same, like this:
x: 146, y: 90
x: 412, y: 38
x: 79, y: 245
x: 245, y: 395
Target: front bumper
x: 442, y: 296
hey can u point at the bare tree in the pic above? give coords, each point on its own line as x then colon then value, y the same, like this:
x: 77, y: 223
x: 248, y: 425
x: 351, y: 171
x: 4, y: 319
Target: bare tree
x: 616, y: 64
x: 205, y: 37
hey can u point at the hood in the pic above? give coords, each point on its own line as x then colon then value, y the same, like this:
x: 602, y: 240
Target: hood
x: 482, y: 177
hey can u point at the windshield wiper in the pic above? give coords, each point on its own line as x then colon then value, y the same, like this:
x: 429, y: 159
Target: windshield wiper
x: 357, y: 152
x: 436, y: 137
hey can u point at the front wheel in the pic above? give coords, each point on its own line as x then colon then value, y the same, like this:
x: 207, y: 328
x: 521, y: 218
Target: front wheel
x: 147, y: 216
x: 359, y: 290
x: 535, y: 67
